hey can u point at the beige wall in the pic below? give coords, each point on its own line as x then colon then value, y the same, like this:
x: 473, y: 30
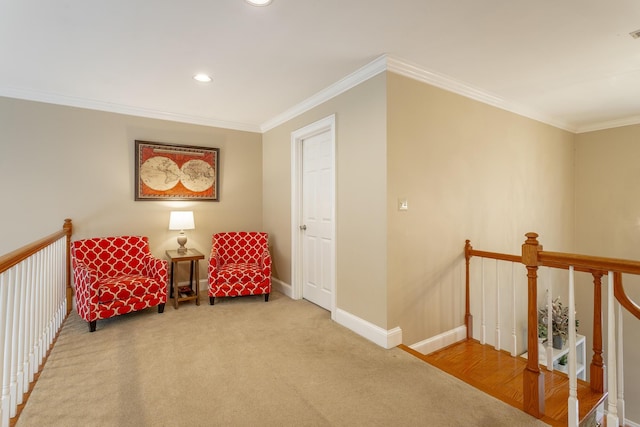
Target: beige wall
x: 608, y: 224
x: 361, y: 196
x: 60, y: 162
x: 469, y: 171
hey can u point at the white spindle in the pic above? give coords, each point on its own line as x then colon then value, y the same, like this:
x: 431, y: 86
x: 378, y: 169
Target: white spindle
x: 20, y: 331
x: 7, y: 350
x: 573, y: 418
x: 514, y: 338
x: 612, y: 410
x: 549, y: 346
x: 15, y: 313
x: 33, y: 366
x: 483, y: 338
x: 621, y: 409
x: 4, y: 299
x: 40, y: 315
x: 498, y: 309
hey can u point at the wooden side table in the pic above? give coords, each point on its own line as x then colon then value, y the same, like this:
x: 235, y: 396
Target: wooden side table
x: 193, y: 256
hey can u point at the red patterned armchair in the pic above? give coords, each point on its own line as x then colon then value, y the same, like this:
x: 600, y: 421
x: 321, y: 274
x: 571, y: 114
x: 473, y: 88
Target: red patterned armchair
x: 116, y: 275
x: 240, y: 264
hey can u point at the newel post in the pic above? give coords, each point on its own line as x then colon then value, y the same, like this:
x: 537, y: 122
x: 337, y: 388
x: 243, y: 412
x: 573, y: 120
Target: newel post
x: 468, y: 318
x: 533, y: 378
x: 68, y: 229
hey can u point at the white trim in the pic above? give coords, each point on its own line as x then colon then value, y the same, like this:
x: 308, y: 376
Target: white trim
x: 328, y: 124
x: 382, y: 337
x: 363, y: 74
x: 282, y: 287
x: 629, y: 121
x: 377, y: 66
x: 404, y: 68
x: 92, y: 104
x: 450, y: 84
x: 630, y: 423
x: 440, y: 341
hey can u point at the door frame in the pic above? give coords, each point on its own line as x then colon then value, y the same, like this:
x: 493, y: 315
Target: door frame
x: 297, y: 136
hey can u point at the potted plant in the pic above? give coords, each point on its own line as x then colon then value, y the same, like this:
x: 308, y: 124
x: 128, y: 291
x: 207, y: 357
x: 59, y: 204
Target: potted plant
x: 559, y: 322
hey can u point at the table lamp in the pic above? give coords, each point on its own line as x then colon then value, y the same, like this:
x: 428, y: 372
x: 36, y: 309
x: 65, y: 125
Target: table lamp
x: 181, y: 220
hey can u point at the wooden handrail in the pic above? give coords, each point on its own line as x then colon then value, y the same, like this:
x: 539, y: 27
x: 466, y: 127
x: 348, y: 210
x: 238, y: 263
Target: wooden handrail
x: 622, y: 297
x: 495, y: 255
x: 588, y: 263
x: 15, y: 257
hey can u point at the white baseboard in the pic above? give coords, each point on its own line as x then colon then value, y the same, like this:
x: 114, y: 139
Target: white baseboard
x: 440, y: 341
x: 382, y: 337
x: 282, y: 287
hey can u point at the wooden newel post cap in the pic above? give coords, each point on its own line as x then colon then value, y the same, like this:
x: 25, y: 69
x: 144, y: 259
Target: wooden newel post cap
x: 530, y: 250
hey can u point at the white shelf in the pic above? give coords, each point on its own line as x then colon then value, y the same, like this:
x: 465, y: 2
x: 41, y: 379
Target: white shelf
x: 558, y: 353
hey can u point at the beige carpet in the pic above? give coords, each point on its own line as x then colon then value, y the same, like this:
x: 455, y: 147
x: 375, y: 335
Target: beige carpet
x: 244, y: 362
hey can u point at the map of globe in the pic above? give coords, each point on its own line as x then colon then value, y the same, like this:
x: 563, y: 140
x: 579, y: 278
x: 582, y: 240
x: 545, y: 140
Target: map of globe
x: 197, y: 175
x: 161, y: 173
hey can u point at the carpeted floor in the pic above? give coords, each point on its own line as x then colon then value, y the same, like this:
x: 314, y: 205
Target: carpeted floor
x: 244, y: 362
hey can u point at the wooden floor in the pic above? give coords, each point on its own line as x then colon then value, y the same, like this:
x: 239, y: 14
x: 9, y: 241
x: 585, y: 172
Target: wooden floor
x: 499, y: 374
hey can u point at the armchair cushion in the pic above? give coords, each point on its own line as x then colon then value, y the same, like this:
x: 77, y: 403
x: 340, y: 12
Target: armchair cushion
x: 116, y: 275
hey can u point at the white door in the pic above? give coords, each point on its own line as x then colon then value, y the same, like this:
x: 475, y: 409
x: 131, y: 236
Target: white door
x: 316, y: 213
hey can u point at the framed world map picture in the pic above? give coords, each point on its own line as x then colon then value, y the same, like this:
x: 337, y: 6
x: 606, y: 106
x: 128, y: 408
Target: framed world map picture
x: 175, y: 172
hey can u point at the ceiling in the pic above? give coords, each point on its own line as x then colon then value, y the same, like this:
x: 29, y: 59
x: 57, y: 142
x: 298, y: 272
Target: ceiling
x: 570, y: 63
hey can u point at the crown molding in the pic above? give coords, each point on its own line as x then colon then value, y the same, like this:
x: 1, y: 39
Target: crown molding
x: 91, y: 104
x: 381, y: 64
x: 363, y: 74
x: 395, y: 65
x: 447, y: 83
x: 629, y: 121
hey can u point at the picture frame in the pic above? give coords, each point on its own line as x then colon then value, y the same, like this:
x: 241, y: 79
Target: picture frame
x: 176, y: 172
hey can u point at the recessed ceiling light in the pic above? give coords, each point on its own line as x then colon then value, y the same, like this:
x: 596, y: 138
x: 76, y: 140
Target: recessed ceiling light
x: 259, y: 2
x: 203, y: 78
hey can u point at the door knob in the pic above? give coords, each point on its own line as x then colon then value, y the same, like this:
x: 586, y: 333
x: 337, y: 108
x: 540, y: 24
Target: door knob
x: 303, y: 227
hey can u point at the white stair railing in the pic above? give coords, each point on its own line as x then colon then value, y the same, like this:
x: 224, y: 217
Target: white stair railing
x: 497, y: 306
x: 33, y: 305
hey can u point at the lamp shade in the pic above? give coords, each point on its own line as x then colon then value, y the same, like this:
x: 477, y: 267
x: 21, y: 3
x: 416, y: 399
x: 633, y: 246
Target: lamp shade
x: 181, y: 220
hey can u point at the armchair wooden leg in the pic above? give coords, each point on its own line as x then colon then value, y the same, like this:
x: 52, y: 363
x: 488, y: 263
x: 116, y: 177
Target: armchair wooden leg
x: 92, y: 326
x: 161, y: 308
x: 211, y: 300
x: 266, y: 297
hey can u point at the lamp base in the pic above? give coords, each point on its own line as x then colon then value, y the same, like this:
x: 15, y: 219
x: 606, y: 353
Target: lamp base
x: 182, y: 240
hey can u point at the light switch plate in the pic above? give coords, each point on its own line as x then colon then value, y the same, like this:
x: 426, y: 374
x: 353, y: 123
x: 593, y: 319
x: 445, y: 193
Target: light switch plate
x: 403, y: 205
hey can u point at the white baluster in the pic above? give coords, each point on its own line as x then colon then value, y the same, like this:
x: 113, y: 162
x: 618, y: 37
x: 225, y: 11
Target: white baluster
x: 573, y: 418
x: 483, y: 338
x: 13, y: 380
x: 8, y: 350
x: 498, y: 310
x: 31, y: 333
x: 621, y: 410
x: 4, y: 299
x: 514, y: 338
x: 612, y: 410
